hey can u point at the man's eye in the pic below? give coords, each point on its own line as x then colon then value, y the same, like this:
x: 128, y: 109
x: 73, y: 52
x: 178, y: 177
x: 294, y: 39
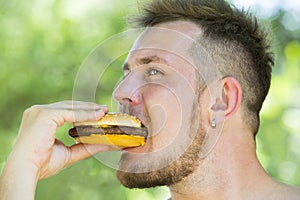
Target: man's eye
x: 153, y: 72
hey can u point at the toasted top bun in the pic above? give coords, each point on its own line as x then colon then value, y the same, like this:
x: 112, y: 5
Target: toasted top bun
x: 113, y: 119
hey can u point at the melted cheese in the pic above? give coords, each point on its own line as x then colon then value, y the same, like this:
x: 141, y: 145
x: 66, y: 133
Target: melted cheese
x: 121, y: 141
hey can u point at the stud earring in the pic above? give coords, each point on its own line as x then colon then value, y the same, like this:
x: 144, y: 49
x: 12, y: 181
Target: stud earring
x: 213, y: 123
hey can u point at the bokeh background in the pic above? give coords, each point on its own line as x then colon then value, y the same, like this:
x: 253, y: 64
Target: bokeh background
x: 44, y: 42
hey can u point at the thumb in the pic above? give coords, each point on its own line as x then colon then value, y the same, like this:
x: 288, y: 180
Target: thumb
x: 81, y: 151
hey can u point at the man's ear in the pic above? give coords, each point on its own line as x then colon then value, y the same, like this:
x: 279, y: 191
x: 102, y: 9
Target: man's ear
x: 230, y: 100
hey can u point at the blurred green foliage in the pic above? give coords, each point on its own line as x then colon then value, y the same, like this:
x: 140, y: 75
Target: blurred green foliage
x: 43, y: 44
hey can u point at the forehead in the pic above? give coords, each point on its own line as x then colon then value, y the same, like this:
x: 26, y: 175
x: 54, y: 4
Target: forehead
x: 176, y: 37
x: 170, y: 42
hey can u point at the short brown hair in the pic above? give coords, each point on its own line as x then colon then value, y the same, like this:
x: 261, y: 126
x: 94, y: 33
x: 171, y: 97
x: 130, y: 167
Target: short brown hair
x: 232, y: 37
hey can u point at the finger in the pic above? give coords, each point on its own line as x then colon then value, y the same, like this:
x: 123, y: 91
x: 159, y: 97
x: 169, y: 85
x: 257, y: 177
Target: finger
x: 71, y: 116
x: 78, y: 105
x: 79, y: 152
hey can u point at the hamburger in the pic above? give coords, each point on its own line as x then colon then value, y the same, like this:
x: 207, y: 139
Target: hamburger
x: 121, y: 130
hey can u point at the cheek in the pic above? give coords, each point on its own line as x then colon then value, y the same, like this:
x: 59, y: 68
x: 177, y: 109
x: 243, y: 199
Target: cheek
x: 164, y: 107
x: 169, y: 113
x: 159, y: 115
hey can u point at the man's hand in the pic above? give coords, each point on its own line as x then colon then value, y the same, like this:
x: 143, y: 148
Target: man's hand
x: 37, y: 153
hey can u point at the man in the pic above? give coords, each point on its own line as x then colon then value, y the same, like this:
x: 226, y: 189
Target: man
x: 196, y: 78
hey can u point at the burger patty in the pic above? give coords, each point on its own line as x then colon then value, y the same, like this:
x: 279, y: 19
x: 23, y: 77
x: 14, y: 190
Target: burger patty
x: 121, y: 130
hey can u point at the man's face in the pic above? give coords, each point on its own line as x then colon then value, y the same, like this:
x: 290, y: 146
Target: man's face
x: 160, y: 88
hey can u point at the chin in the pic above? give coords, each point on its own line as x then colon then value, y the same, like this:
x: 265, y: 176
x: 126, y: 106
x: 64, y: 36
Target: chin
x: 166, y: 167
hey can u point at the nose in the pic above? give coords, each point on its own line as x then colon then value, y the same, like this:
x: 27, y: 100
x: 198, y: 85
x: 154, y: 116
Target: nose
x: 128, y: 92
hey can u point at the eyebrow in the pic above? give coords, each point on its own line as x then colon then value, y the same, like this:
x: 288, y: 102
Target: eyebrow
x: 145, y: 60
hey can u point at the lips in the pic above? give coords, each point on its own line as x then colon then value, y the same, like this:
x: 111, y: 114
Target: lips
x: 144, y: 118
x: 143, y: 122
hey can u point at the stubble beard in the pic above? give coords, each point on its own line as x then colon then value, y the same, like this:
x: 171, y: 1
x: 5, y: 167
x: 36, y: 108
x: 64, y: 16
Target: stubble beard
x: 175, y: 171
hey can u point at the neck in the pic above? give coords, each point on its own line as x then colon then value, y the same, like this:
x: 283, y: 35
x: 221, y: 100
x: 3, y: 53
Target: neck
x: 230, y: 171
